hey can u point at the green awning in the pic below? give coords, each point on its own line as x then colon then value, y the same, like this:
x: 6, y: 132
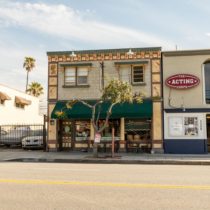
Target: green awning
x: 127, y: 110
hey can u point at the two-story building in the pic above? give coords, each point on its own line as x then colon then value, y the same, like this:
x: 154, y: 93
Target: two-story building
x: 83, y: 74
x: 186, y: 87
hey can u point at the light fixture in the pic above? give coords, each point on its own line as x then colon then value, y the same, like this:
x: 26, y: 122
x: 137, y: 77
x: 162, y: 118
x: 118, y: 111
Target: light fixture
x: 130, y: 52
x: 73, y: 54
x: 52, y: 122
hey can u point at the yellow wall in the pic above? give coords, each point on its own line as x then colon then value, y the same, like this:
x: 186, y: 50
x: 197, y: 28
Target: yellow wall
x: 52, y: 129
x: 157, y: 121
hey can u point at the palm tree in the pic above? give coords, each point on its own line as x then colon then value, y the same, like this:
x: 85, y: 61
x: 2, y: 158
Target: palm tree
x: 29, y: 64
x: 35, y: 89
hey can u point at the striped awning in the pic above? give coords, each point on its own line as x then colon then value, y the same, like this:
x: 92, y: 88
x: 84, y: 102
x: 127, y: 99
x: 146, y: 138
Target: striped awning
x: 4, y: 96
x: 23, y: 101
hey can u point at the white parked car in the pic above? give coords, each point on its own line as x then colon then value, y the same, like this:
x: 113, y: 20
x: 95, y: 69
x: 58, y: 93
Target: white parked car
x: 14, y: 136
x: 32, y: 142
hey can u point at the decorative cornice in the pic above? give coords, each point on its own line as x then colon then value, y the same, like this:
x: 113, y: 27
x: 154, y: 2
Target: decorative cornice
x: 107, y: 54
x: 122, y: 50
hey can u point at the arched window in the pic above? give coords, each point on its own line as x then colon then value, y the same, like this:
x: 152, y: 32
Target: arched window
x: 207, y: 80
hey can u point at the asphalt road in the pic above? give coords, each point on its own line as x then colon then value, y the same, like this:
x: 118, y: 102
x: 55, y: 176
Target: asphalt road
x: 96, y: 186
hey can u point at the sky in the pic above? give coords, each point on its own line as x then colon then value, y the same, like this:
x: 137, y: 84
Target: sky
x: 31, y: 28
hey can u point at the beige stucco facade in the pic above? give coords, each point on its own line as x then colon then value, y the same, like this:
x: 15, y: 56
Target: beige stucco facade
x: 188, y: 64
x: 94, y: 79
x: 185, y: 109
x: 114, y: 61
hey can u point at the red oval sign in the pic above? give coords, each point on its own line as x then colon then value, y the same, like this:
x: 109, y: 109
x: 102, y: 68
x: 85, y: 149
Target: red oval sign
x: 182, y: 81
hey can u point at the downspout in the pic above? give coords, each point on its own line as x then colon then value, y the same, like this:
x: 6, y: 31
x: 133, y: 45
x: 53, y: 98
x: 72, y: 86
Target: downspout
x: 102, y: 74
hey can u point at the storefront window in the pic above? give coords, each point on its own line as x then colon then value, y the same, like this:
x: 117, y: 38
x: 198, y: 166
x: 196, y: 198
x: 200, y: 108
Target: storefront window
x: 107, y: 132
x: 138, y: 129
x: 82, y: 130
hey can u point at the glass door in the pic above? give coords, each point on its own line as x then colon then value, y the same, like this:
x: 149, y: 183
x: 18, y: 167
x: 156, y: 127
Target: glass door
x: 65, y: 135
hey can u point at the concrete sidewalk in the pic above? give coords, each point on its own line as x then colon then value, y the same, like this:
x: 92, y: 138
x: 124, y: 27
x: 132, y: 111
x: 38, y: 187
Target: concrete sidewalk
x: 20, y: 155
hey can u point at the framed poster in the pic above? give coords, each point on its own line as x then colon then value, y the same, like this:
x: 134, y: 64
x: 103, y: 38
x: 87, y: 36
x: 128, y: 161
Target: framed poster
x: 175, y: 126
x: 191, y: 126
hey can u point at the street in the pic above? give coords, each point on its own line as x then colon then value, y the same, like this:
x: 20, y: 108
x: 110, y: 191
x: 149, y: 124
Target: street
x: 101, y: 186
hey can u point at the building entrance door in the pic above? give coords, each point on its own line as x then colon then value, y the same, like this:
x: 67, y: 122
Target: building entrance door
x: 65, y: 135
x: 208, y: 131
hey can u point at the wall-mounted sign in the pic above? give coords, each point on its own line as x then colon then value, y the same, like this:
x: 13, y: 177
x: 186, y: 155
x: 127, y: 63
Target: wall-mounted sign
x: 97, y: 138
x: 182, y: 81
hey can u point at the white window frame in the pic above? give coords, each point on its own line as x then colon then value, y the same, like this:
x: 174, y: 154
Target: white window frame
x: 127, y: 71
x: 75, y: 76
x: 66, y: 76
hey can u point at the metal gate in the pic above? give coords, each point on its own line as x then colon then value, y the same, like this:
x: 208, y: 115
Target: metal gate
x: 23, y: 136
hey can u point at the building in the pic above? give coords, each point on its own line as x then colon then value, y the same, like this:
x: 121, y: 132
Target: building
x: 17, y: 107
x: 83, y: 74
x: 186, y: 89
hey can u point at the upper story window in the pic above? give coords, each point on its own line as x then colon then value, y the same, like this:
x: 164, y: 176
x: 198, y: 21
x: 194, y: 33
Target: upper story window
x: 70, y: 76
x: 21, y: 106
x: 207, y: 81
x: 82, y: 76
x: 137, y: 74
x: 132, y: 71
x: 3, y: 98
x: 2, y: 101
x: 21, y: 102
x: 76, y: 76
x: 125, y: 74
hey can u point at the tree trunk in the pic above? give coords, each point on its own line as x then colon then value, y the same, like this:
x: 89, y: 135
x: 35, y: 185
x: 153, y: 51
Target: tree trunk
x: 112, y: 141
x: 27, y: 81
x: 95, y: 146
x: 95, y: 150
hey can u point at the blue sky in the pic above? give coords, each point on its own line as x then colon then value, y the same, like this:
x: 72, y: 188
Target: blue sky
x: 31, y: 28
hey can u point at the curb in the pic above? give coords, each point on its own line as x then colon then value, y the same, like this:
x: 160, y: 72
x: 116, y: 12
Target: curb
x: 111, y: 161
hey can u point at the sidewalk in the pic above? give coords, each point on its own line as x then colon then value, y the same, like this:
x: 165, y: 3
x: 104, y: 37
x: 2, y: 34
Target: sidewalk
x: 19, y: 155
